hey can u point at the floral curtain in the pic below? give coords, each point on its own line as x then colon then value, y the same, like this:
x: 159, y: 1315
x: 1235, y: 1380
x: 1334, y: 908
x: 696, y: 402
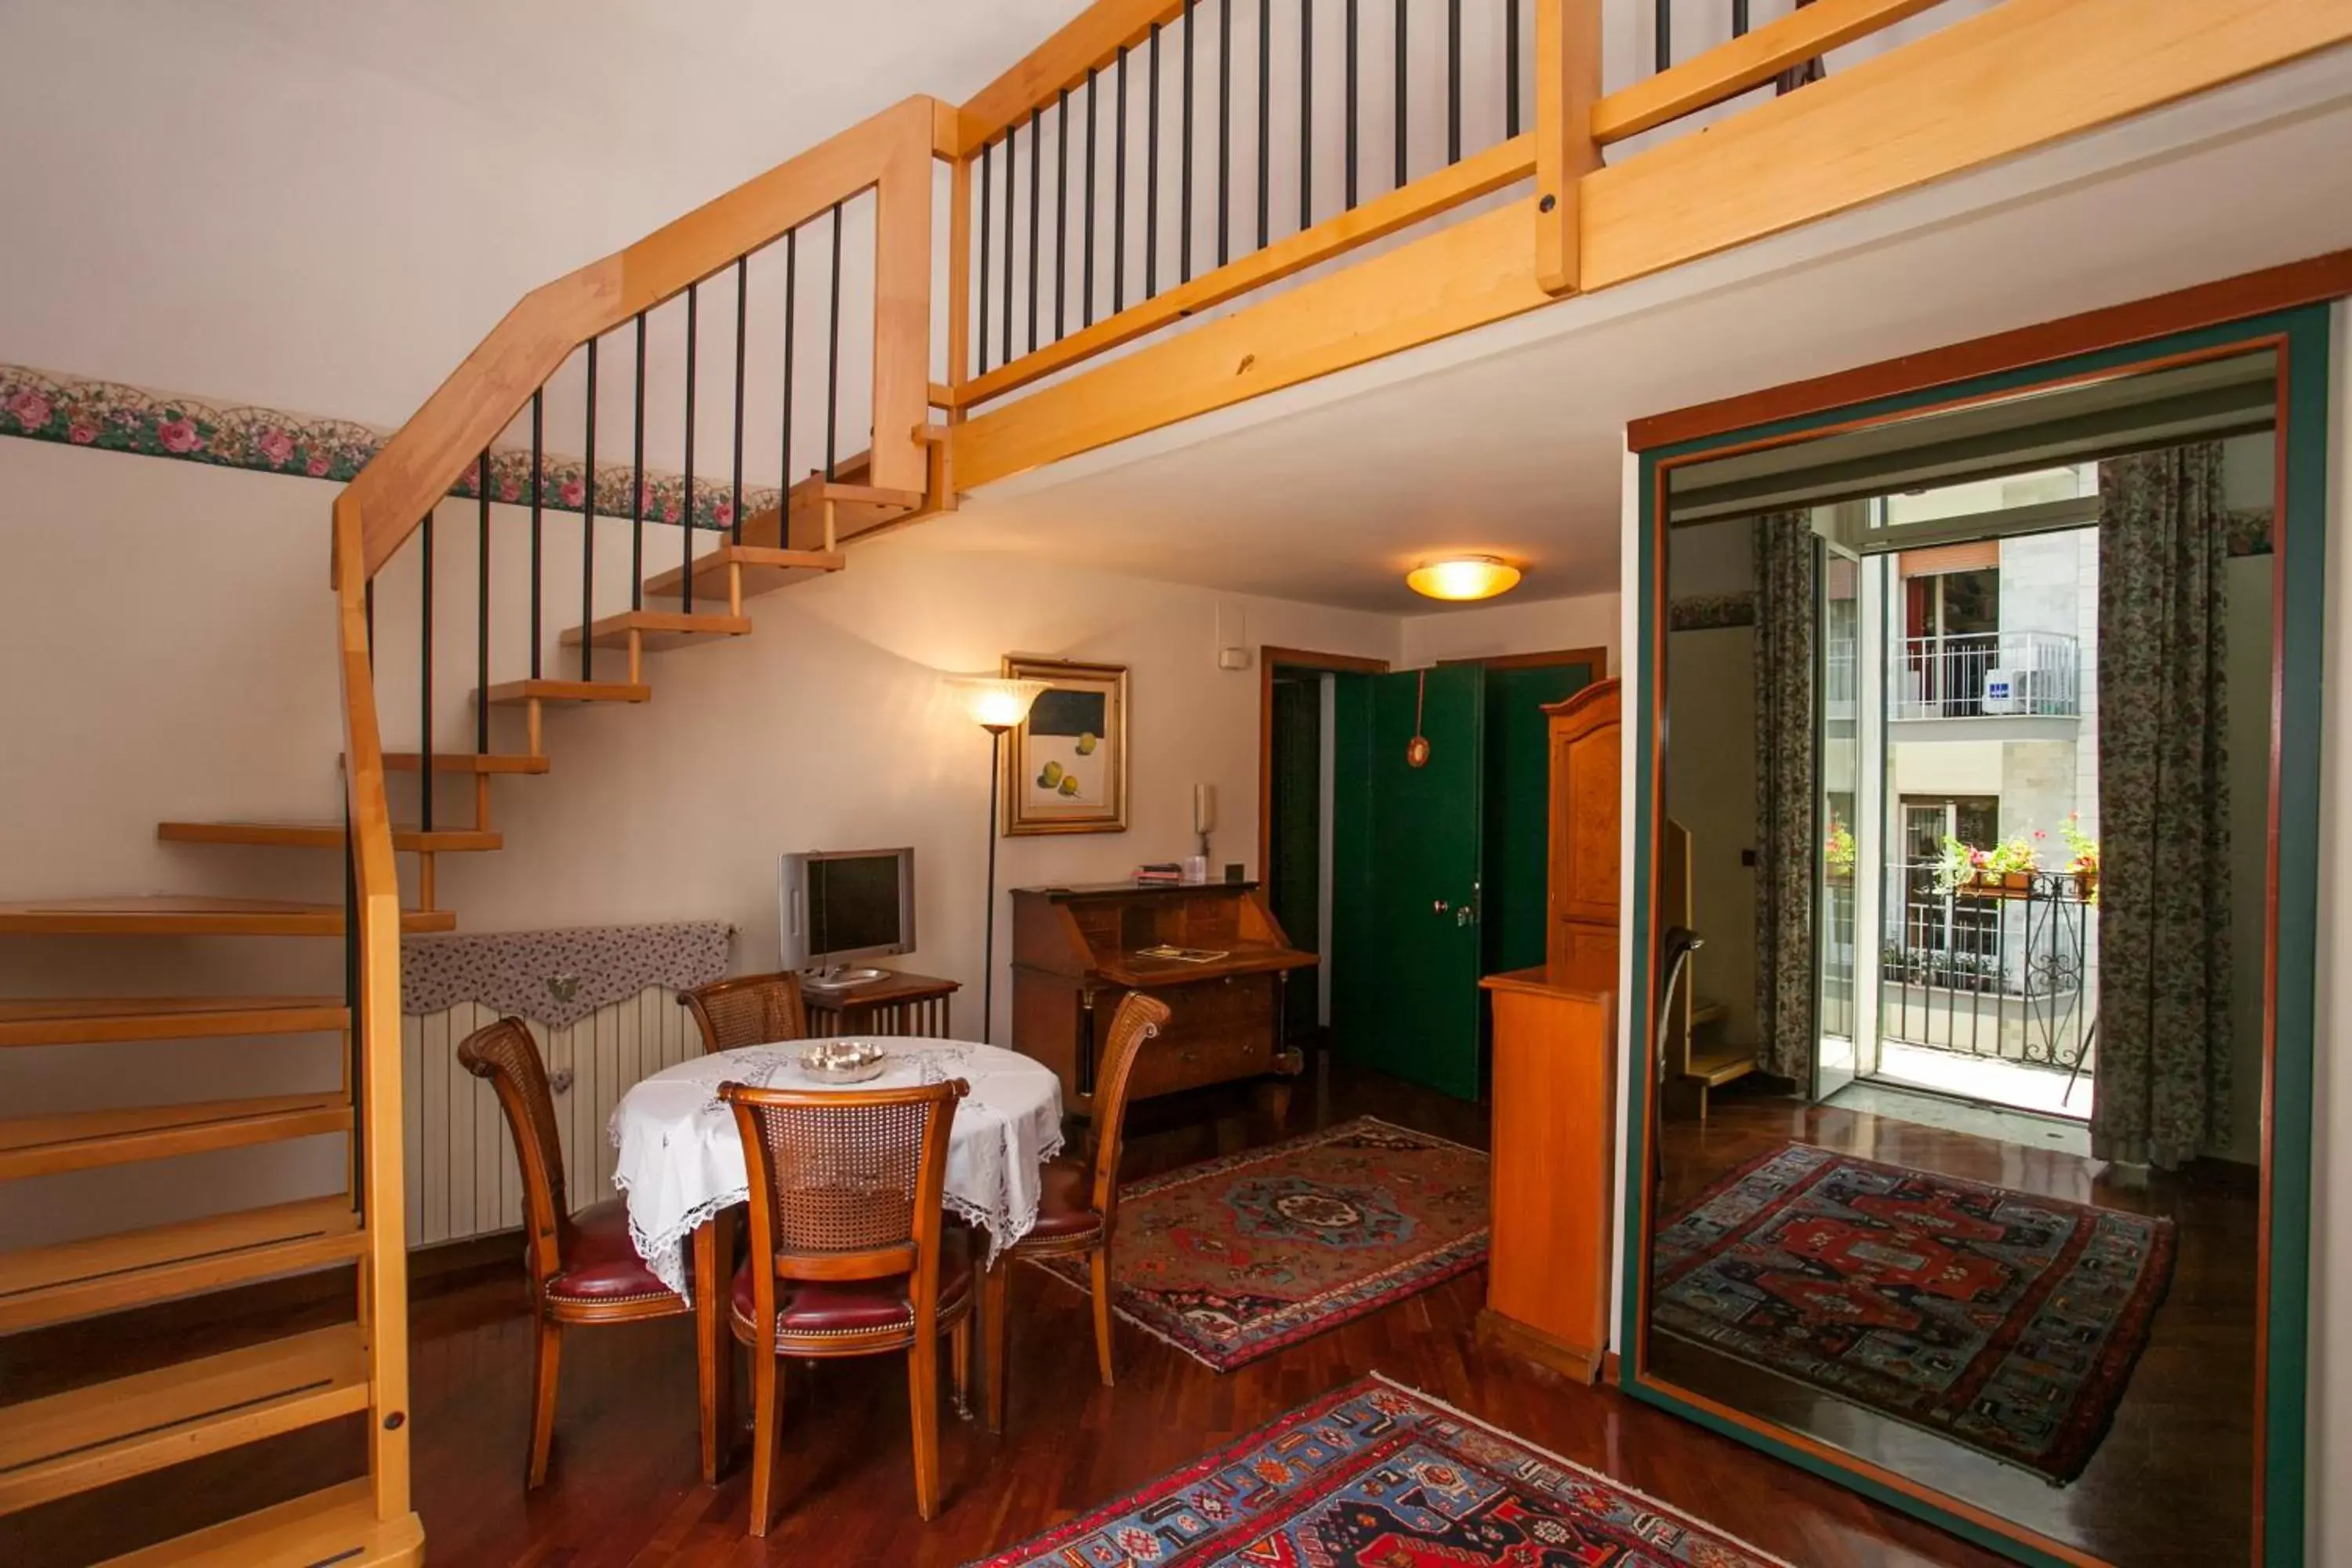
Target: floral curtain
x: 1788, y: 568
x: 2163, y: 1062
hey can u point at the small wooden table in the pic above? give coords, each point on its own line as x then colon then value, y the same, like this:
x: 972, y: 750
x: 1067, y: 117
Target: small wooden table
x: 898, y: 1004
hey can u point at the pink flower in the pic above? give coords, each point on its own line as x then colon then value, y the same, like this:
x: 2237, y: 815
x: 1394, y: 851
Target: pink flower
x: 178, y: 435
x: 317, y: 465
x: 725, y: 514
x: 31, y: 409
x: 507, y: 490
x: 670, y: 513
x: 277, y: 445
x: 81, y: 432
x: 571, y: 491
x: 647, y: 502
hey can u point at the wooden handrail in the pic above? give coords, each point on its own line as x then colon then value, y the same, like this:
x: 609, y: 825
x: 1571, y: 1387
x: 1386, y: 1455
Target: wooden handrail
x: 889, y: 154
x: 1729, y: 70
x: 1089, y: 41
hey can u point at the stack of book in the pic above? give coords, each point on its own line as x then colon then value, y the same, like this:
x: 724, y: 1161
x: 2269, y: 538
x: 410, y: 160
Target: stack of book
x: 1160, y: 871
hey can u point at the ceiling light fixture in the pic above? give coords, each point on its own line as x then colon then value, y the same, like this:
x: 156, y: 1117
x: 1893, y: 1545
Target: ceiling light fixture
x: 1463, y: 577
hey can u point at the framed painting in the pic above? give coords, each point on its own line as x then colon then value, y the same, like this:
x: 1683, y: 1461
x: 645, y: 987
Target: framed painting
x: 1065, y: 767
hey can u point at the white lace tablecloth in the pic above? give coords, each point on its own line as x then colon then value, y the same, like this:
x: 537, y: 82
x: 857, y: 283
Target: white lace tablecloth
x: 681, y: 1158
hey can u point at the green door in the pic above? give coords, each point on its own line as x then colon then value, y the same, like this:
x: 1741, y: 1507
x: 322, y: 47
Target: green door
x: 1406, y: 885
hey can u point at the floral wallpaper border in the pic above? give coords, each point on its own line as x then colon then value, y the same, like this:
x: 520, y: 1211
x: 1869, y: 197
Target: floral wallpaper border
x: 110, y: 416
x: 1711, y: 612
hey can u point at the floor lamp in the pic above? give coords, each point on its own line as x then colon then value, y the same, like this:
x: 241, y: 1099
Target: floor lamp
x: 996, y: 704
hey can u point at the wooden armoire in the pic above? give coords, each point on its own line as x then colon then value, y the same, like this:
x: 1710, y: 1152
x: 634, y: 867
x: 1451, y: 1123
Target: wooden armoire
x: 1555, y: 1079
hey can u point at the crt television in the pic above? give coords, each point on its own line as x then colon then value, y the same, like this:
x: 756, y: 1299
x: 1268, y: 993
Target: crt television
x: 844, y: 904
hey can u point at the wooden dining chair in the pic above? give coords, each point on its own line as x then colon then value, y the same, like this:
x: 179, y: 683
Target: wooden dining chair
x: 850, y: 1253
x: 1077, y: 1206
x: 749, y: 1010
x: 583, y: 1267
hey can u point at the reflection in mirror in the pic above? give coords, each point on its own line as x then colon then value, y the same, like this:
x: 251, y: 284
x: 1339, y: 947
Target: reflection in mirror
x: 1967, y: 777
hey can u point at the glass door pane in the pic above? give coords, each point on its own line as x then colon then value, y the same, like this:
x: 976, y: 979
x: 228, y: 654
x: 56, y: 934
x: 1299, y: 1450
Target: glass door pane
x: 1840, y: 709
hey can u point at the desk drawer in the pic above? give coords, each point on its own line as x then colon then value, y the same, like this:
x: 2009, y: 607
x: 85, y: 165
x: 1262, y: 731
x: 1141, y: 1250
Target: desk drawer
x: 1217, y: 1030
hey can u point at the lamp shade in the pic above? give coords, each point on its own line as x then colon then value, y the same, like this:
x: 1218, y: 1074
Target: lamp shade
x: 1463, y: 577
x: 998, y: 702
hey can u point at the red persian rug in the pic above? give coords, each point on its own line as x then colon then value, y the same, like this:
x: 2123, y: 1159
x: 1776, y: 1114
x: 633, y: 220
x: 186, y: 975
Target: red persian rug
x: 2001, y: 1319
x: 1234, y: 1258
x: 1377, y: 1476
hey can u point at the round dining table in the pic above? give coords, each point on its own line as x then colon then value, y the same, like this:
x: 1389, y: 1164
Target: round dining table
x: 680, y: 1167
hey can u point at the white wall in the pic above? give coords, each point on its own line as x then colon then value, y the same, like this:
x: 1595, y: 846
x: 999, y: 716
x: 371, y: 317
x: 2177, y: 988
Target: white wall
x: 170, y: 631
x: 1536, y: 626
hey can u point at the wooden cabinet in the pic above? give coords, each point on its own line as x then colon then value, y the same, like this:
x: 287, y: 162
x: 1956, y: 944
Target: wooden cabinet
x: 1555, y: 1081
x: 1078, y: 950
x: 1581, y: 902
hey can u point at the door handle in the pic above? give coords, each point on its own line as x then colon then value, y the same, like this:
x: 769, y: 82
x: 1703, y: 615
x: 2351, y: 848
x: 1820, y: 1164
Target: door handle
x: 1440, y: 906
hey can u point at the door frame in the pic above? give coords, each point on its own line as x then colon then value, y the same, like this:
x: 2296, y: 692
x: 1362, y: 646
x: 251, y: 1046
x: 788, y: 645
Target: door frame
x: 1598, y: 657
x: 2287, y: 310
x: 1268, y: 655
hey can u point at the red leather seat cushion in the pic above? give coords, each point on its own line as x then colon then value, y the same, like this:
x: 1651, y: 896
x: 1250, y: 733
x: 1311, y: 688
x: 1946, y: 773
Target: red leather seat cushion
x: 1066, y: 1206
x: 600, y: 1263
x: 859, y: 1306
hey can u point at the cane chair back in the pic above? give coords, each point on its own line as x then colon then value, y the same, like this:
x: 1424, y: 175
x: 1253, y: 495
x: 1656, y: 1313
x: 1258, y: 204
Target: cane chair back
x: 750, y: 1010
x: 846, y: 1184
x: 1138, y: 1019
x: 505, y: 1054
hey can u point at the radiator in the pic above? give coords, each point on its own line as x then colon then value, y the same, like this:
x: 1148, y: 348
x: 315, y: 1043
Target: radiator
x: 462, y: 1177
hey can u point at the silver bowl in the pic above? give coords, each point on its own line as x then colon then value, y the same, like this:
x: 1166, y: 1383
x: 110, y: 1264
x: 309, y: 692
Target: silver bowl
x: 844, y: 1061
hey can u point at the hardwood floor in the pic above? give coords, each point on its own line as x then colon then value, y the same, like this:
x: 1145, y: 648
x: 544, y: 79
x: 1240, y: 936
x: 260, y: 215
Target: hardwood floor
x: 2184, y: 1429
x: 623, y: 1487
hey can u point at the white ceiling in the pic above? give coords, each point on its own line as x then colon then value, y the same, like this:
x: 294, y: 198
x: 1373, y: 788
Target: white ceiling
x: 1509, y: 440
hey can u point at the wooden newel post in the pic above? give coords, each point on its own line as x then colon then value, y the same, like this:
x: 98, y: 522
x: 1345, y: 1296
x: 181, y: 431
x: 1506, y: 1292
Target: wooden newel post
x: 1568, y: 84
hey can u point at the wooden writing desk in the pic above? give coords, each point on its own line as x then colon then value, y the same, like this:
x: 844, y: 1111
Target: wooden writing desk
x: 1074, y: 958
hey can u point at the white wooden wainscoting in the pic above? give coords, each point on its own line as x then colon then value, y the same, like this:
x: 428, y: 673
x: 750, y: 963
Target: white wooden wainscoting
x: 462, y: 1178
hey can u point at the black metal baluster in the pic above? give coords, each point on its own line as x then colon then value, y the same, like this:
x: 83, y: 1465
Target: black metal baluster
x: 424, y: 642
x: 1036, y: 210
x: 742, y: 300
x: 1224, y: 130
x: 1118, y: 199
x: 1452, y: 82
x: 1355, y: 130
x: 1151, y: 176
x: 637, y: 476
x: 1061, y: 205
x: 987, y: 178
x: 1185, y: 162
x: 1010, y: 196
x: 482, y: 608
x: 588, y: 527
x: 832, y: 354
x: 538, y: 465
x: 1665, y: 35
x: 685, y: 507
x: 1510, y: 68
x: 1306, y: 114
x: 1739, y: 18
x: 792, y: 323
x: 1087, y: 314
x: 1401, y: 31
x: 1265, y: 123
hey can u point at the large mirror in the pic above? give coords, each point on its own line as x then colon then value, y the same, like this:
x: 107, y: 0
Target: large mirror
x: 1964, y: 827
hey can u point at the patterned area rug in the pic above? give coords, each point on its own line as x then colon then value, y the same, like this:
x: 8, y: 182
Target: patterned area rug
x: 2003, y: 1320
x: 1234, y: 1258
x: 1377, y: 1476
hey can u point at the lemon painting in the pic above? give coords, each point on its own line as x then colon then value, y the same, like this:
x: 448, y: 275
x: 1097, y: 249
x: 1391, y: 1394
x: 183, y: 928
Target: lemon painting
x: 1067, y: 764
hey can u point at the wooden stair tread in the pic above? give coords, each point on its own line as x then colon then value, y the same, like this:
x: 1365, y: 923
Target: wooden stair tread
x: 71, y: 1442
x: 464, y: 763
x: 323, y: 836
x: 658, y: 628
x: 106, y: 1273
x: 336, y: 1526
x: 857, y: 508
x: 515, y: 693
x: 765, y: 569
x: 179, y: 914
x: 87, y: 1020
x: 80, y: 1140
x: 1719, y: 1066
x: 1704, y: 1013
